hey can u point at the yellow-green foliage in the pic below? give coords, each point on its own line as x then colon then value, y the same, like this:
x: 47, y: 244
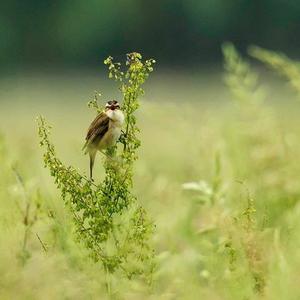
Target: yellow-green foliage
x: 220, y: 181
x: 242, y: 81
x: 108, y: 219
x: 286, y: 67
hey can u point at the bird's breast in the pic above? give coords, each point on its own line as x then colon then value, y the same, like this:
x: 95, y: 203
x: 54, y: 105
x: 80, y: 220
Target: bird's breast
x: 114, y: 133
x: 111, y: 136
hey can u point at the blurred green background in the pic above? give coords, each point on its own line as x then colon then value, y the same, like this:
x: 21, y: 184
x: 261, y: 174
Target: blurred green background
x: 61, y: 33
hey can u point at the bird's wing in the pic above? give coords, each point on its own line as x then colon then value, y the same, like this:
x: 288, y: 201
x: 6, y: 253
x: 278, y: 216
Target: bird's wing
x: 97, y: 129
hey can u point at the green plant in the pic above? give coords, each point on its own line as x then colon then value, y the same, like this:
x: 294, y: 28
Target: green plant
x: 243, y: 84
x: 280, y: 63
x: 240, y: 79
x: 108, y: 218
x: 30, y: 211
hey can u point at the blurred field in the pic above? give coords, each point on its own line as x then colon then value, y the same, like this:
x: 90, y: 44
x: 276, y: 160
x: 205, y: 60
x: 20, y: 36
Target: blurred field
x: 232, y: 233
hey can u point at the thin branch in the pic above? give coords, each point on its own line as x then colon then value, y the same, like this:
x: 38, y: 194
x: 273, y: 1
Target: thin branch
x: 43, y: 245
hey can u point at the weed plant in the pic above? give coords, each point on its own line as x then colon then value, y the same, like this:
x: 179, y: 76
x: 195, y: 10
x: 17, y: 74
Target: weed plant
x: 107, y: 215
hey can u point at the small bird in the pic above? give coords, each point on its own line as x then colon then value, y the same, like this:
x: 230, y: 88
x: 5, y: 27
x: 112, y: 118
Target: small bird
x: 104, y: 131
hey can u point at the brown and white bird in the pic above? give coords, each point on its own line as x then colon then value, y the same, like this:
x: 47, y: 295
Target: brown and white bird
x: 104, y: 131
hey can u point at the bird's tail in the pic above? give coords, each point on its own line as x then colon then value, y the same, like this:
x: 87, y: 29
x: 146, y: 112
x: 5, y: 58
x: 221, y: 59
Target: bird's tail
x: 92, y: 161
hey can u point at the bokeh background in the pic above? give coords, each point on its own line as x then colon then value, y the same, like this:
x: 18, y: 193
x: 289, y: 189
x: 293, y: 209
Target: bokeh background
x: 177, y: 33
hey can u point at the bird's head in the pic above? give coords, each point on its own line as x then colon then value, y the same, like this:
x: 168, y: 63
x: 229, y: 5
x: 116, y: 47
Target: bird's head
x: 112, y: 105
